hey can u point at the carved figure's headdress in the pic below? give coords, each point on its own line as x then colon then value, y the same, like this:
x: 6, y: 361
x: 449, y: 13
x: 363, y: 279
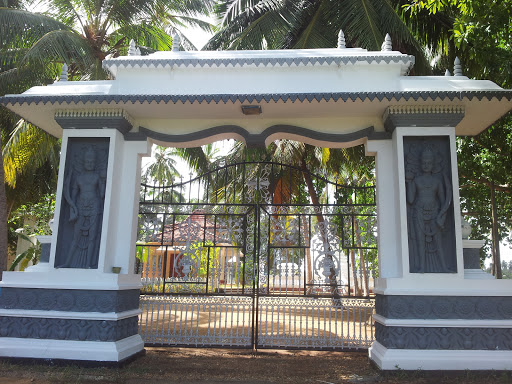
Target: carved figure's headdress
x: 90, y: 153
x: 428, y: 151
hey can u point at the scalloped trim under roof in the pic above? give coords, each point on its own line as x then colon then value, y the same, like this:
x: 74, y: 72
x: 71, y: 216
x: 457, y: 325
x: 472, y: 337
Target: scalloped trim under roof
x: 264, y: 58
x: 250, y: 98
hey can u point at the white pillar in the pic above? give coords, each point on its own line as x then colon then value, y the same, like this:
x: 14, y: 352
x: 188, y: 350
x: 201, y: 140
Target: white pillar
x: 389, y: 228
x: 430, y: 321
x: 81, y: 313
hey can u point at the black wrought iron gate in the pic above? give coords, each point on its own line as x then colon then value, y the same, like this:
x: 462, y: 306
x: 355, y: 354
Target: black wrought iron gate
x: 239, y: 257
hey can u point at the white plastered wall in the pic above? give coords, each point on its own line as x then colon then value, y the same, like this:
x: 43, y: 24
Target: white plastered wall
x: 122, y: 196
x: 427, y: 283
x: 119, y: 226
x: 388, y: 216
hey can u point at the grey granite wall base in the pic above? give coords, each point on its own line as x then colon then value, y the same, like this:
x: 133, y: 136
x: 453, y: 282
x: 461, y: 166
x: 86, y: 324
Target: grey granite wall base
x: 444, y: 307
x: 68, y: 329
x: 471, y: 258
x: 69, y: 300
x: 444, y: 338
x: 45, y: 252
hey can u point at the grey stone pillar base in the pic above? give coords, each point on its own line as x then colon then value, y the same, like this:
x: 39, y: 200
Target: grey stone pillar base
x: 442, y: 332
x: 69, y: 324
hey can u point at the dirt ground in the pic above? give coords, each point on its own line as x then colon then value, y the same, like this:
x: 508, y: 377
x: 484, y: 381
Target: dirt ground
x: 194, y: 366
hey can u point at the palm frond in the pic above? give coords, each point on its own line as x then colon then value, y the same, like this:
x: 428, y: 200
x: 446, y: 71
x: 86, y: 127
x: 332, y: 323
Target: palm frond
x: 315, y: 32
x: 402, y: 37
x: 190, y: 8
x: 232, y: 8
x: 27, y: 149
x: 195, y: 158
x: 189, y: 22
x: 19, y: 28
x: 18, y: 80
x: 360, y: 21
x: 143, y: 34
x: 262, y: 24
x: 67, y: 11
x: 64, y: 46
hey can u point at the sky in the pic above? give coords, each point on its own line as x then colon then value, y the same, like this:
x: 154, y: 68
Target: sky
x: 198, y: 37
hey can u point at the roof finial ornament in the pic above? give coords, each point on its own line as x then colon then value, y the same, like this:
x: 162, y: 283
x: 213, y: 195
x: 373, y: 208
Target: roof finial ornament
x: 64, y: 73
x: 137, y: 51
x: 176, y: 43
x: 457, y: 68
x: 447, y: 73
x: 341, y: 40
x: 132, y: 50
x: 386, y: 45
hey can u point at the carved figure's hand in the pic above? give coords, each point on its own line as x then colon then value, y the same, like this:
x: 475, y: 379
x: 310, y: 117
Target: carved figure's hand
x: 73, y: 215
x: 409, y: 176
x: 440, y: 221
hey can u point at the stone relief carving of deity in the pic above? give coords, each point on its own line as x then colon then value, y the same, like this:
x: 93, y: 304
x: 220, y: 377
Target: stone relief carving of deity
x: 84, y: 194
x: 429, y: 201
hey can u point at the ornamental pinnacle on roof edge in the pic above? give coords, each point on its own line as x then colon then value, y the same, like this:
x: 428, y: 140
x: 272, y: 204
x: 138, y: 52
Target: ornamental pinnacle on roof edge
x: 386, y: 45
x: 64, y: 73
x: 457, y: 68
x: 176, y: 43
x: 341, y: 40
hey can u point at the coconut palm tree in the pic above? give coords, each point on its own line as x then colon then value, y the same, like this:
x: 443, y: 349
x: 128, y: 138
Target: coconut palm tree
x: 162, y: 168
x: 34, y: 46
x: 283, y: 24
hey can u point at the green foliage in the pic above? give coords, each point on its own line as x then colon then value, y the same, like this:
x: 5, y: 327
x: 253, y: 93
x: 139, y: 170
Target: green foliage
x: 477, y: 31
x: 506, y: 268
x: 362, y: 218
x: 208, y: 256
x: 485, y: 162
x: 32, y: 254
x: 162, y: 167
x: 27, y: 150
x: 40, y: 212
x: 142, y: 254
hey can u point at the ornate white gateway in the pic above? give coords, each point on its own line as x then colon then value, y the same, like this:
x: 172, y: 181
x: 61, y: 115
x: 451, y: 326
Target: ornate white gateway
x: 428, y: 315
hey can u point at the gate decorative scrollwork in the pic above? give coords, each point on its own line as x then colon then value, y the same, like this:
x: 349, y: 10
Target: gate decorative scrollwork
x: 239, y: 256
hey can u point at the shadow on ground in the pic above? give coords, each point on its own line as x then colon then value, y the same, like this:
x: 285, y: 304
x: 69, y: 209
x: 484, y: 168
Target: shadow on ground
x: 208, y: 365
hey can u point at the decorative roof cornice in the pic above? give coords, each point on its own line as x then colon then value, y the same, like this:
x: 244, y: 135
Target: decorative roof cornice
x: 94, y: 118
x: 86, y: 113
x: 422, y: 116
x: 150, y: 62
x: 431, y: 109
x: 258, y: 98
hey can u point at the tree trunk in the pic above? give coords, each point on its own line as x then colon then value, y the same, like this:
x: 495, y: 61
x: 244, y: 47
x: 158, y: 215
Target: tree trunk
x: 308, y: 268
x: 355, y: 282
x: 365, y: 290
x: 496, y: 258
x: 320, y: 218
x: 362, y: 260
x: 3, y: 217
